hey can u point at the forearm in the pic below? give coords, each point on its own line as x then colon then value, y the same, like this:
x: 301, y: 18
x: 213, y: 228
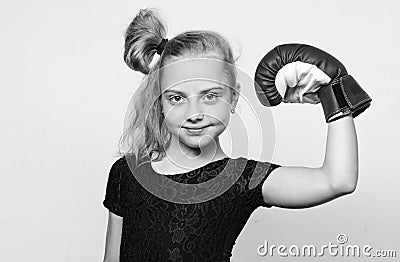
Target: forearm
x: 341, y: 156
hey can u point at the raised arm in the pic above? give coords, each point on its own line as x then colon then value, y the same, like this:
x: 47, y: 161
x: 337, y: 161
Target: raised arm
x: 297, y: 73
x: 301, y: 187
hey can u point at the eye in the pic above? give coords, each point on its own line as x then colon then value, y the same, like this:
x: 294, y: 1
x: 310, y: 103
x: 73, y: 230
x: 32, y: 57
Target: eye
x: 171, y: 98
x: 212, y: 96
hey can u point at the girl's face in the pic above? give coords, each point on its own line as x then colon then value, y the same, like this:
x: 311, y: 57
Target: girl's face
x: 196, y: 100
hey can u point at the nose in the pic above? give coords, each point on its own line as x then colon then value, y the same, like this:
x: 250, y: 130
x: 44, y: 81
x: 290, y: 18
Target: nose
x: 195, y: 111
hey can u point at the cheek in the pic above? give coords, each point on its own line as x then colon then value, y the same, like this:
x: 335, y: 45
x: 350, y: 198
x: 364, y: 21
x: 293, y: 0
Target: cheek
x: 170, y: 111
x: 221, y: 111
x: 173, y: 118
x: 170, y: 119
x: 174, y: 114
x: 221, y: 117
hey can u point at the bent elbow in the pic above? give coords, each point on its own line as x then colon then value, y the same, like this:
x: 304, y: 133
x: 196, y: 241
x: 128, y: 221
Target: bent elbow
x: 345, y: 188
x: 349, y: 188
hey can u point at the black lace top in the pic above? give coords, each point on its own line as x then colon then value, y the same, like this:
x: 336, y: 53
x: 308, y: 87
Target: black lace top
x: 156, y: 229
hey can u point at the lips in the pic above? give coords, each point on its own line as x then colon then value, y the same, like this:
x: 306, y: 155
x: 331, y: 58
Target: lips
x: 196, y: 128
x: 195, y: 131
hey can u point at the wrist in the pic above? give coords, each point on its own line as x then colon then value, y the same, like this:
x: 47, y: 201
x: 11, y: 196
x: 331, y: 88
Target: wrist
x: 342, y: 97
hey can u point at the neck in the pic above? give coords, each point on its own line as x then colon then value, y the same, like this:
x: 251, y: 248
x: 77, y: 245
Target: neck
x: 182, y: 154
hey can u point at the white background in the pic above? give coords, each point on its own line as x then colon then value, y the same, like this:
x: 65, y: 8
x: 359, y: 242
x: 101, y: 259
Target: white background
x: 65, y: 88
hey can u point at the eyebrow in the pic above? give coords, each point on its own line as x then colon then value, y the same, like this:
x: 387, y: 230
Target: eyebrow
x: 183, y: 93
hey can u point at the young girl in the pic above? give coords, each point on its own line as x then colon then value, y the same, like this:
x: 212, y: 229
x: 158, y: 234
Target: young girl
x: 173, y: 140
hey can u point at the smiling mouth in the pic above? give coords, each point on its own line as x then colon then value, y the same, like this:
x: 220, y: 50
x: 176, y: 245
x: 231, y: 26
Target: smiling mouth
x: 197, y: 130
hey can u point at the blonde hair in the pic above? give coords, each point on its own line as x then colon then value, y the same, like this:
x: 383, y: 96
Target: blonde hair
x: 146, y: 133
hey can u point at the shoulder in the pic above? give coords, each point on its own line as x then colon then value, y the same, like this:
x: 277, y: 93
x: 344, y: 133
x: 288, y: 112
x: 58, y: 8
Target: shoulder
x: 128, y: 160
x: 256, y: 171
x: 256, y: 166
x: 123, y: 164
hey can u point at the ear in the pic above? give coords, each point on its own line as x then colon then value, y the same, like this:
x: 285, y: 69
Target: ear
x: 235, y: 94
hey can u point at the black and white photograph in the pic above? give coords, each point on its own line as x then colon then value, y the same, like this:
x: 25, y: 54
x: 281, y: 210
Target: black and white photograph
x: 208, y: 131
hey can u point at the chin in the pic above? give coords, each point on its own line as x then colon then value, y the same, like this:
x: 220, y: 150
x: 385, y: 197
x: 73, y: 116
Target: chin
x: 198, y: 141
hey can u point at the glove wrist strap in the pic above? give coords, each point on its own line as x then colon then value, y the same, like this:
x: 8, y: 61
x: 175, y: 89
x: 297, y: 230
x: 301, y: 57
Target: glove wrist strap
x: 343, y: 97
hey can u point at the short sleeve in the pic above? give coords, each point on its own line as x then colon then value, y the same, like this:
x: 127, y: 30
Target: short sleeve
x: 112, y: 199
x: 259, y: 172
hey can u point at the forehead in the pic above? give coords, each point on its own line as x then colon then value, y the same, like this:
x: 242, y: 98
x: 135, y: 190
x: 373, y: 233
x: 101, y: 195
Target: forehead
x: 194, y: 70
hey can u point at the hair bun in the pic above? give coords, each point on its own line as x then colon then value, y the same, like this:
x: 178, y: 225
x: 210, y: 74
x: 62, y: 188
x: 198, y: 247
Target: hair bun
x: 142, y: 38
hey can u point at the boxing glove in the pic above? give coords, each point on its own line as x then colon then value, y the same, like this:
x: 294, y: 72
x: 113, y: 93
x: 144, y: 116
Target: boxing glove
x: 328, y: 81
